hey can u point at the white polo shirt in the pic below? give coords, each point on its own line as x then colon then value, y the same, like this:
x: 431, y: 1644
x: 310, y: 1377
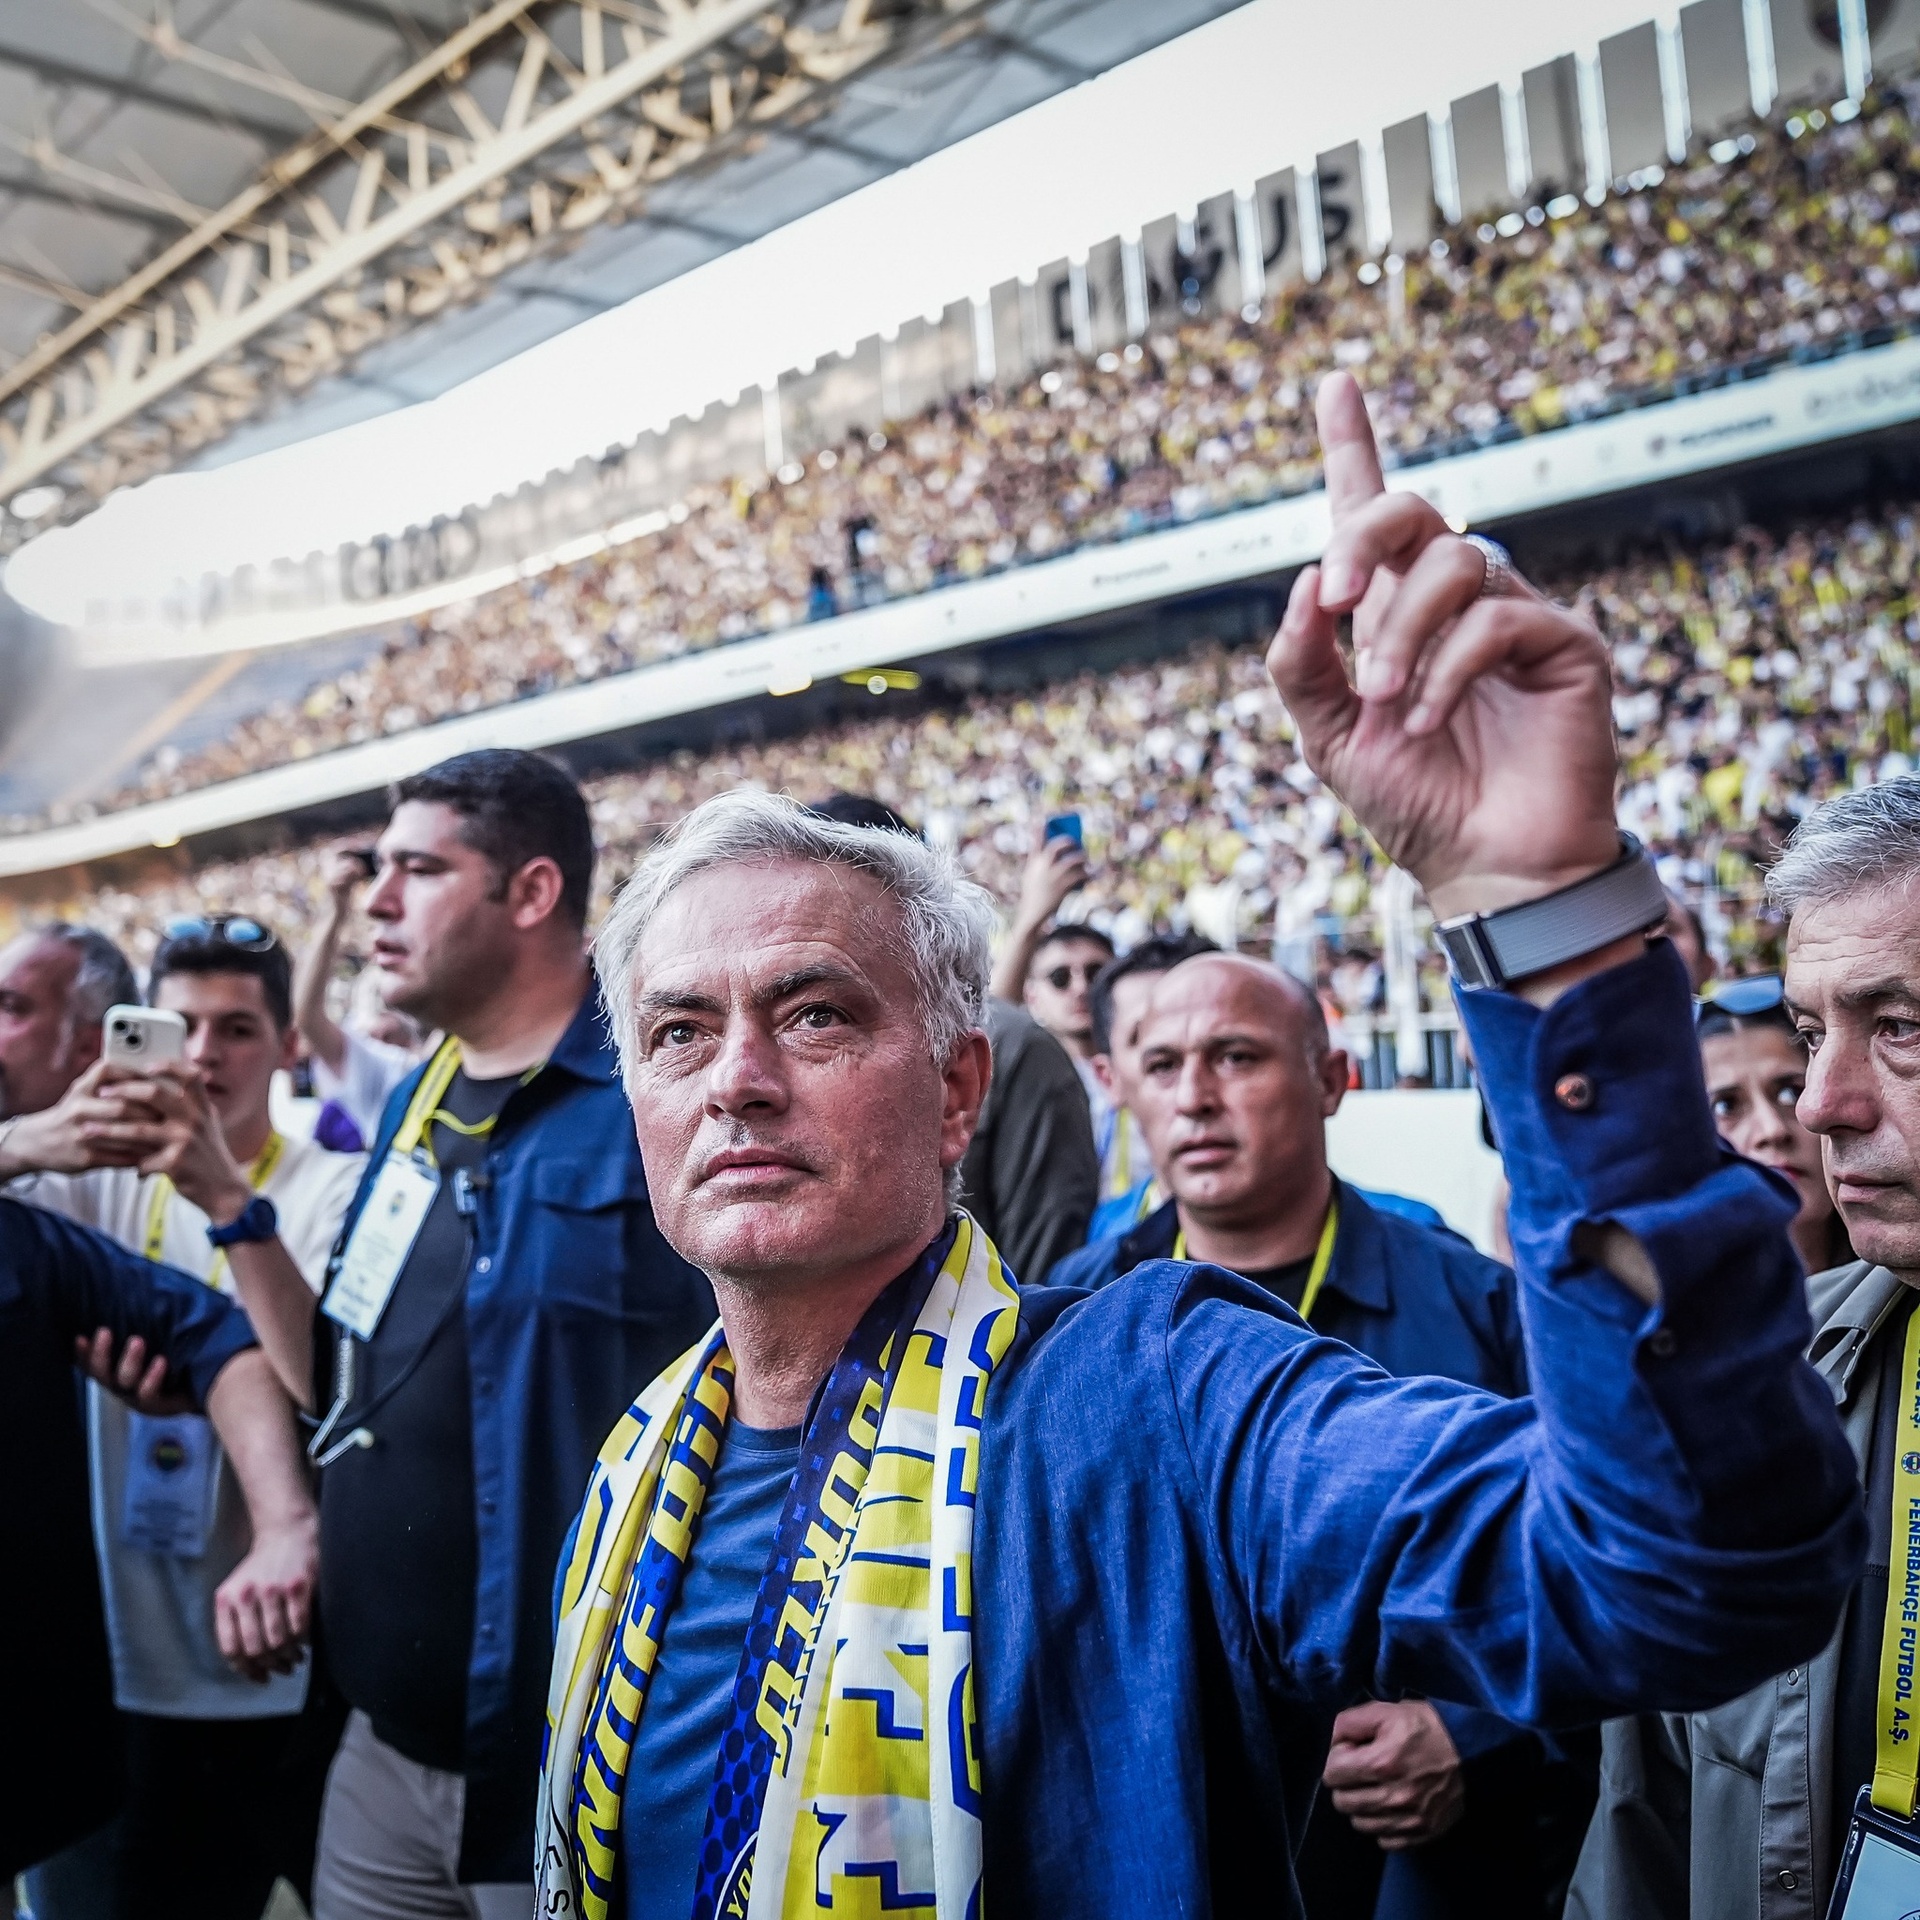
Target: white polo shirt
x: 166, y: 1658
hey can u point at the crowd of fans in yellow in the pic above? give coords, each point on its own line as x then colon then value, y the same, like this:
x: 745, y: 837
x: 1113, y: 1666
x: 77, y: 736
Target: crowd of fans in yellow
x: 1753, y: 677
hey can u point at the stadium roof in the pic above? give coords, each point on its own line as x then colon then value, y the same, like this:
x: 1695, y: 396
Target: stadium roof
x: 359, y: 203
x: 1268, y: 85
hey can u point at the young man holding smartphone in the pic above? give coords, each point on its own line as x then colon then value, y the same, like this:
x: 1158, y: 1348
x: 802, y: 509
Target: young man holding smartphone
x: 178, y: 1160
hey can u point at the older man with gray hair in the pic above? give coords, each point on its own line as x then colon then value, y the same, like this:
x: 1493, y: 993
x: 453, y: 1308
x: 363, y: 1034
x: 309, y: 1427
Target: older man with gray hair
x: 905, y: 1588
x: 1746, y: 1810
x: 56, y: 983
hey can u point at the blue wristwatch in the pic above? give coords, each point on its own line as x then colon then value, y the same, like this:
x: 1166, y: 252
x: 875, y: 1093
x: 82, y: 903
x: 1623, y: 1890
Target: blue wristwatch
x: 255, y: 1221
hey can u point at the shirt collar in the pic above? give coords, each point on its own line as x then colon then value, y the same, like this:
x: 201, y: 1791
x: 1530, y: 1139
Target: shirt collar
x: 586, y: 1048
x: 1856, y: 1302
x: 1357, y: 1272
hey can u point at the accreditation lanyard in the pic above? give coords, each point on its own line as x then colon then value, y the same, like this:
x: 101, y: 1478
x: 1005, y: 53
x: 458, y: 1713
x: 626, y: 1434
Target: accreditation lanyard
x: 1896, y: 1756
x: 1322, y: 1260
x: 424, y: 1111
x: 367, y: 1268
x: 257, y: 1177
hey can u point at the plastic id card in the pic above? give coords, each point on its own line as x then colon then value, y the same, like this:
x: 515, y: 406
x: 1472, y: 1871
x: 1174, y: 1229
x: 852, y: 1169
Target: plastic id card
x: 383, y: 1236
x: 173, y: 1469
x: 1880, y: 1868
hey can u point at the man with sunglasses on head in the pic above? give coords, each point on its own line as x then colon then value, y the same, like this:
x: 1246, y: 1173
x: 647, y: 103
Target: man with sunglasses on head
x: 1760, y: 1807
x: 497, y: 1287
x: 182, y: 1164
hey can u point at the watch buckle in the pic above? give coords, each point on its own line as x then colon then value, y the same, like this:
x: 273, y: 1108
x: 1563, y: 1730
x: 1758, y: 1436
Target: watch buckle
x: 1469, y: 952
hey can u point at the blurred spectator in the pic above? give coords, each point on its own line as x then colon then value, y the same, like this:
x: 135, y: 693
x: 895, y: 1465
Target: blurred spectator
x: 1682, y: 926
x: 1116, y: 1005
x: 1030, y: 1174
x: 224, y: 1770
x: 56, y: 983
x: 1802, y: 238
x: 1756, y: 1068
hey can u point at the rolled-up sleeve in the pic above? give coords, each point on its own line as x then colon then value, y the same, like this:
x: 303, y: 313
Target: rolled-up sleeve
x: 1673, y: 1518
x: 84, y: 1281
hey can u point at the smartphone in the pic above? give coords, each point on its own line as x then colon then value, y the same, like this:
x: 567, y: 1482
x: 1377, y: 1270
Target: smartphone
x: 144, y: 1036
x: 1065, y: 826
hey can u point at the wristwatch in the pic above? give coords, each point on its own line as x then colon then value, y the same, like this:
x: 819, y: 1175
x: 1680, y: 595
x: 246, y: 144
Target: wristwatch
x: 255, y: 1221
x: 1493, y: 949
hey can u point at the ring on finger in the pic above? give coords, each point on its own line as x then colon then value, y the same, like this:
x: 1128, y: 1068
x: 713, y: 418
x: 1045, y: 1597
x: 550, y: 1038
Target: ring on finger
x: 1498, y: 581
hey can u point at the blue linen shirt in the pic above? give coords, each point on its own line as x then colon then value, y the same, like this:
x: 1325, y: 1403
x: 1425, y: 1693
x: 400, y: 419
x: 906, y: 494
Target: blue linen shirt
x: 1203, y: 1528
x: 1412, y: 1298
x: 58, y: 1280
x: 571, y: 1296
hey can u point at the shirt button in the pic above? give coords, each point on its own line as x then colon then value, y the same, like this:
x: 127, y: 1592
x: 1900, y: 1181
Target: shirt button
x: 1788, y: 1879
x: 1793, y: 1676
x: 484, y: 1264
x: 1661, y: 1343
x: 1574, y: 1091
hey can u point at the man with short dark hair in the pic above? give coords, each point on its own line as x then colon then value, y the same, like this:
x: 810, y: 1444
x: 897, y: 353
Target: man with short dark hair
x: 1116, y: 1004
x: 183, y: 1164
x: 499, y: 1283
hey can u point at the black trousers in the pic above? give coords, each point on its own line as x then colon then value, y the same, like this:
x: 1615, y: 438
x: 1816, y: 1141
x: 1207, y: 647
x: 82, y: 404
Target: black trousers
x: 1509, y: 1857
x: 218, y: 1810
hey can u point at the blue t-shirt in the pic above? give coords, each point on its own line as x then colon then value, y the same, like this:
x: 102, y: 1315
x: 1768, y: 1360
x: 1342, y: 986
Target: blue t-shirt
x: 671, y: 1773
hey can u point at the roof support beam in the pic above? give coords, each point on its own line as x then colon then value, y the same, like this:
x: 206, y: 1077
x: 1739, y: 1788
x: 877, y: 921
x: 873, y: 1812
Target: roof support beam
x: 405, y: 204
x: 59, y: 73
x: 34, y: 189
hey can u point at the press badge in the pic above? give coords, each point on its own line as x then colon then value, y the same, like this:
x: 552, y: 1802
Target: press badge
x: 1880, y: 1869
x: 382, y: 1238
x: 173, y: 1470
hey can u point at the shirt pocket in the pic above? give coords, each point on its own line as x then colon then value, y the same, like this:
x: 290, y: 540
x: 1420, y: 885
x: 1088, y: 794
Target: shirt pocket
x: 601, y: 1249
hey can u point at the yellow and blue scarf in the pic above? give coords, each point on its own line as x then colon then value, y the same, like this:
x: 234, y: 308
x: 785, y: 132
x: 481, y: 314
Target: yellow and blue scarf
x: 849, y: 1772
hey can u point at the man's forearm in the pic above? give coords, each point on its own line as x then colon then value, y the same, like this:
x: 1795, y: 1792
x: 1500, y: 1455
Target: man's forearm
x: 1009, y: 981
x: 320, y: 1030
x: 251, y: 1415
x: 263, y: 1607
x: 280, y: 1304
x: 1704, y: 1438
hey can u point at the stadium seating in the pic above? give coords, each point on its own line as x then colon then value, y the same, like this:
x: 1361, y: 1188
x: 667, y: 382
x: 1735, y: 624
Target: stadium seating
x: 1752, y: 678
x: 1782, y: 242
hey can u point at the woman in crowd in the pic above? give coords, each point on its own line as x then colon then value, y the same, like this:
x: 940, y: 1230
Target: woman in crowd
x: 1756, y: 1066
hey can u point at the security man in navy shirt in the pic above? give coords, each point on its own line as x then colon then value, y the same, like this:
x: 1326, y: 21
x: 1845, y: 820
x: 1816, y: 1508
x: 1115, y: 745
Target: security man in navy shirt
x: 1431, y: 1808
x: 498, y: 1285
x: 65, y: 1291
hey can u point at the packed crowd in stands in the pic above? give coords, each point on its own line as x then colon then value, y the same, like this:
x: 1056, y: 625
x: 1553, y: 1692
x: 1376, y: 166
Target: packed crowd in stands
x: 1753, y: 678
x: 1801, y: 235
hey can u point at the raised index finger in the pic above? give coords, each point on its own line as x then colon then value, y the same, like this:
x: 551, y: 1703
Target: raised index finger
x: 1346, y: 441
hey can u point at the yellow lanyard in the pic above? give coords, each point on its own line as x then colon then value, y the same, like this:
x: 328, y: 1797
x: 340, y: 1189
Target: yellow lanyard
x: 424, y: 1108
x: 257, y: 1177
x: 424, y: 1111
x: 1896, y: 1754
x: 1316, y: 1274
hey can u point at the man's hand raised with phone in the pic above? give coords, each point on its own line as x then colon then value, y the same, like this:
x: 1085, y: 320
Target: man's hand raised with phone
x: 76, y: 1133
x: 1474, y: 735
